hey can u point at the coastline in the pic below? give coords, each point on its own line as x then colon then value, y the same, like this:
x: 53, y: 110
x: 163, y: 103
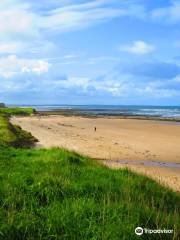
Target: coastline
x: 78, y: 113
x: 126, y: 138
x: 115, y: 138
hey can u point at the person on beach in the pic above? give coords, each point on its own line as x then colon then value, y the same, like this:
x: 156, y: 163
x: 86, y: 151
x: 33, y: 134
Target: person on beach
x: 95, y: 129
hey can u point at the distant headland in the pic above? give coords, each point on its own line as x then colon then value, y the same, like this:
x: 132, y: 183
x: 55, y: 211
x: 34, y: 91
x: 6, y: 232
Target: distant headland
x: 2, y: 105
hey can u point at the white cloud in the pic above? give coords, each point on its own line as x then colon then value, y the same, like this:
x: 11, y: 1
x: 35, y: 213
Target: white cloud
x: 138, y: 47
x: 78, y: 16
x: 11, y: 66
x: 72, y: 82
x: 68, y: 20
x: 115, y: 83
x: 24, y: 24
x: 16, y: 18
x: 95, y: 60
x: 11, y: 47
x: 87, y: 85
x: 70, y: 56
x: 169, y: 14
x: 28, y: 47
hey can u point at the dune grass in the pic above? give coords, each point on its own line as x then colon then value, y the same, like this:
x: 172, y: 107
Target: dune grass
x: 12, y: 135
x: 17, y: 111
x: 52, y: 194
x: 56, y: 194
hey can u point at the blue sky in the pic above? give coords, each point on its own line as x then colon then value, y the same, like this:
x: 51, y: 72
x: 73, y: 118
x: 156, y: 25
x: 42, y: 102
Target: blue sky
x: 90, y: 52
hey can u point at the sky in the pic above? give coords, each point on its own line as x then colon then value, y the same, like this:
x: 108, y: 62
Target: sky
x: 90, y: 52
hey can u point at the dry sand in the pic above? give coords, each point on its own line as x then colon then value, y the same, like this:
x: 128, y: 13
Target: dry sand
x: 114, y: 139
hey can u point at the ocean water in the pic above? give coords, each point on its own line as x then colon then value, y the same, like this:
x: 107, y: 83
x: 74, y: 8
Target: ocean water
x: 122, y: 110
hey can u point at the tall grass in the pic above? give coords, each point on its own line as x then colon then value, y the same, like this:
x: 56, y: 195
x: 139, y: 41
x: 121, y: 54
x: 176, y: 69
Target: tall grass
x: 12, y: 135
x: 17, y: 111
x: 56, y: 194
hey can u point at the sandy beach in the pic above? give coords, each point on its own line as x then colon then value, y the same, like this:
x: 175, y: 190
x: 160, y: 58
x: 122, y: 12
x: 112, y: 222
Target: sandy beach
x: 114, y: 139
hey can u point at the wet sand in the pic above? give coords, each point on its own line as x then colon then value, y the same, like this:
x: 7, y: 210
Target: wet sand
x: 166, y: 176
x: 115, y: 139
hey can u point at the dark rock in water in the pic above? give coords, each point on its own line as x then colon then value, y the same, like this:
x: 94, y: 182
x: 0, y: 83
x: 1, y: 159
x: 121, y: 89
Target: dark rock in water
x: 2, y: 105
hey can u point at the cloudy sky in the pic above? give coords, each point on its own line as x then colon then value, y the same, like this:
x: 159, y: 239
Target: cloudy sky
x: 90, y: 52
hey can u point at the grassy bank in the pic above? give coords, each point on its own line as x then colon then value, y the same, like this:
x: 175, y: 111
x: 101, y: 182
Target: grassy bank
x: 17, y: 111
x: 56, y: 194
x: 12, y: 135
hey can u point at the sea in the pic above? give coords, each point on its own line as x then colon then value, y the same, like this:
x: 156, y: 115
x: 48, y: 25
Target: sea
x: 114, y: 110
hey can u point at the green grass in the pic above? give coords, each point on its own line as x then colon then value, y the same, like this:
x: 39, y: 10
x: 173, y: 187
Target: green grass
x: 53, y: 194
x: 56, y: 194
x: 17, y: 111
x: 13, y: 135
